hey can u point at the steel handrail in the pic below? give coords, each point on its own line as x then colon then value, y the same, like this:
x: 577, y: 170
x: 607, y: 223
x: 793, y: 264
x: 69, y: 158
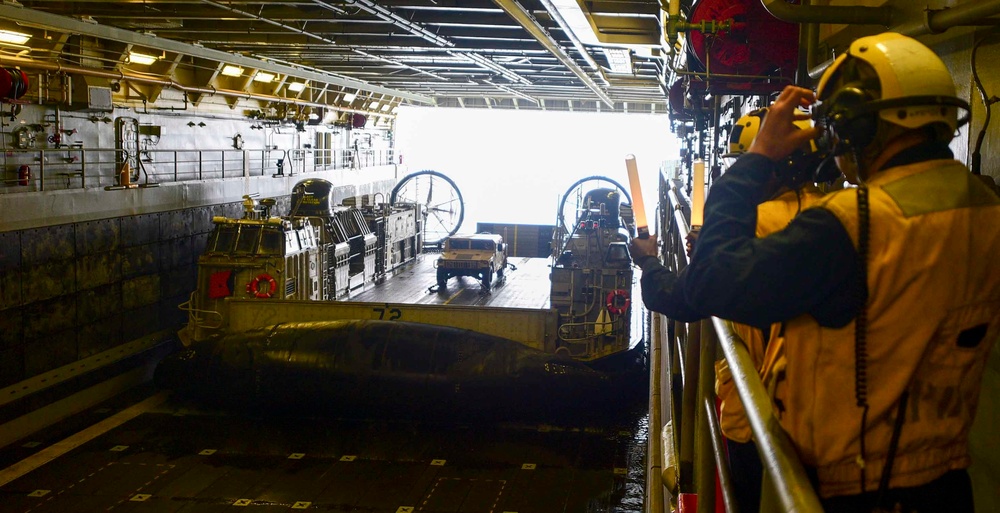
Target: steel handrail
x: 795, y: 491
x: 76, y: 167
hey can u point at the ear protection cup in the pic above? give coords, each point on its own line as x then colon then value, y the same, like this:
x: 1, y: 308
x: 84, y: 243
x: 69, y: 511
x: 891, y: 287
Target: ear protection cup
x: 851, y: 118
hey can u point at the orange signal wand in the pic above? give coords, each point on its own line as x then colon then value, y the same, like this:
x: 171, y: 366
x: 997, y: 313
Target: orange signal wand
x: 698, y: 194
x: 638, y: 207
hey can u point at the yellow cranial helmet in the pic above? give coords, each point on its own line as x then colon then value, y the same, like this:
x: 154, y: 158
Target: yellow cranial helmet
x: 887, y: 77
x: 800, y: 167
x: 746, y: 128
x: 744, y: 131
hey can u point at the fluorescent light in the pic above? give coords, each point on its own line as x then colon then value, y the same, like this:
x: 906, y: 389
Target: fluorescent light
x: 17, y: 38
x: 386, y: 107
x: 263, y: 76
x: 141, y: 58
x: 373, y: 105
x: 620, y: 59
x: 296, y: 86
x: 232, y: 71
x: 349, y: 97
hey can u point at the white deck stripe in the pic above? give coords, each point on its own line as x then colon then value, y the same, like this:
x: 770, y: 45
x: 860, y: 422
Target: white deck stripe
x: 72, y: 442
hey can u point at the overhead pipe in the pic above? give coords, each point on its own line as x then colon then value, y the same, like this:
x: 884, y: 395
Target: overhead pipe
x: 397, y: 63
x: 513, y: 92
x: 49, y: 21
x: 385, y: 14
x: 939, y: 20
x: 417, y: 29
x: 558, y: 18
x: 133, y: 77
x: 516, y: 11
x: 849, y: 14
x: 268, y: 21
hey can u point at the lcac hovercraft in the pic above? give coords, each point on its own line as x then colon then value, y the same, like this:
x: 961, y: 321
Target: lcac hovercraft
x: 457, y: 362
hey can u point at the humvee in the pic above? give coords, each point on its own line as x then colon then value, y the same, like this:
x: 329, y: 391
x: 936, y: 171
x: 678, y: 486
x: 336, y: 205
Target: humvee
x: 482, y: 256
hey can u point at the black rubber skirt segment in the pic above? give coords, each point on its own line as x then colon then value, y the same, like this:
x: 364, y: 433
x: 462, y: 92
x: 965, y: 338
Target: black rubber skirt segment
x: 372, y: 367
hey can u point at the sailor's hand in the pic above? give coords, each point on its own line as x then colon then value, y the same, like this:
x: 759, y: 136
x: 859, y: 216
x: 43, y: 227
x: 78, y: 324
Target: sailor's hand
x: 691, y: 238
x: 644, y: 247
x: 778, y: 137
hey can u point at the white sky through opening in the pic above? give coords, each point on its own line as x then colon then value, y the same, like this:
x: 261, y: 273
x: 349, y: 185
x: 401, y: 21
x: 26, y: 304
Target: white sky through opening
x: 513, y: 166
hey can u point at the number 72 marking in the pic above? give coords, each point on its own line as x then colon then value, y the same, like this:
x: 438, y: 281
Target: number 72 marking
x: 393, y: 313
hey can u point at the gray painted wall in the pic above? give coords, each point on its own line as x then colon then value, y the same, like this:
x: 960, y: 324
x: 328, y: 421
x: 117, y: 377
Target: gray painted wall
x: 84, y: 270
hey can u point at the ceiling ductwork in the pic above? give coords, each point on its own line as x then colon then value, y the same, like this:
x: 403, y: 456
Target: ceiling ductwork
x: 517, y: 55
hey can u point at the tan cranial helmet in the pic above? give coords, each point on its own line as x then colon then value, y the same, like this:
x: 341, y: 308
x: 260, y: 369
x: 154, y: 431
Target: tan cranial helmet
x: 888, y: 77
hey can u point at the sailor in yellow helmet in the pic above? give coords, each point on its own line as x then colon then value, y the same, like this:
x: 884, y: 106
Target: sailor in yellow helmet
x: 889, y: 292
x: 796, y: 191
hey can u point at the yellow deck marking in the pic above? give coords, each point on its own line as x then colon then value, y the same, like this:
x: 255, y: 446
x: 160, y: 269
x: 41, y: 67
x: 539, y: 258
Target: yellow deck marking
x: 73, y: 441
x: 453, y: 296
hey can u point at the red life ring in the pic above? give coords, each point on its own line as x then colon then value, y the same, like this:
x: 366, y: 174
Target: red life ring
x: 618, y: 301
x: 254, y: 286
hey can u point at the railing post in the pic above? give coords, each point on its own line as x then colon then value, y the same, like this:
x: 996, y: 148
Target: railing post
x: 655, y: 486
x: 41, y: 170
x: 704, y: 460
x: 714, y: 431
x: 690, y: 352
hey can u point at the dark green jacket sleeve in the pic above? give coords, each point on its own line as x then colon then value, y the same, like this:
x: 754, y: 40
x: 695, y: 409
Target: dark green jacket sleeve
x: 659, y: 291
x: 811, y: 267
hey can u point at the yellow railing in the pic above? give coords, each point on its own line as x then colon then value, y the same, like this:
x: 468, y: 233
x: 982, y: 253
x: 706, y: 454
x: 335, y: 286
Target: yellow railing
x: 683, y: 420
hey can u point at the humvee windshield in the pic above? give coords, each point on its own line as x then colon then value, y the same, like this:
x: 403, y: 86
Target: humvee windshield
x: 486, y: 245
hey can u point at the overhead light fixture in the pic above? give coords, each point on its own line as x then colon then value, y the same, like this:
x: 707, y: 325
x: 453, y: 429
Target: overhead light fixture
x: 296, y: 86
x: 17, y: 38
x: 232, y: 71
x: 386, y: 107
x: 141, y: 58
x: 349, y: 97
x: 373, y: 105
x: 263, y: 76
x: 620, y: 59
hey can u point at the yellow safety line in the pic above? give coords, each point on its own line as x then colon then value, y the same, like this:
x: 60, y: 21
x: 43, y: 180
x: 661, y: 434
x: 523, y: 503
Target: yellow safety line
x: 73, y: 441
x: 453, y: 296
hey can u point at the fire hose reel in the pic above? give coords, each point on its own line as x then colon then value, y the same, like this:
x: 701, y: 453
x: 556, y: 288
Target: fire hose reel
x: 759, y: 44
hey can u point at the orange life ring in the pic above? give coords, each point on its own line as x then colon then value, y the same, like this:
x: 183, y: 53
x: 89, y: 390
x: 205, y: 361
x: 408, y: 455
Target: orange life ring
x: 618, y: 301
x: 254, y: 286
